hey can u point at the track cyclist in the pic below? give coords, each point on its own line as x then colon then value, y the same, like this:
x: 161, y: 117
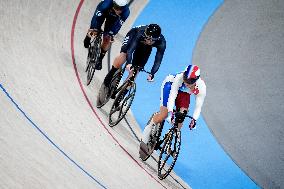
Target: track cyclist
x: 136, y: 49
x: 175, y: 91
x: 114, y: 13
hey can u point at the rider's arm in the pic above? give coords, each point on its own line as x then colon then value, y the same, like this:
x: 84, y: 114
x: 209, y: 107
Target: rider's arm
x: 120, y: 20
x: 177, y: 82
x: 161, y: 47
x: 99, y: 15
x: 132, y: 48
x: 199, y: 99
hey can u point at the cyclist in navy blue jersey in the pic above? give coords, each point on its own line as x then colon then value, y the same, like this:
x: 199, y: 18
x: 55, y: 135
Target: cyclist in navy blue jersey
x: 114, y: 13
x: 136, y: 49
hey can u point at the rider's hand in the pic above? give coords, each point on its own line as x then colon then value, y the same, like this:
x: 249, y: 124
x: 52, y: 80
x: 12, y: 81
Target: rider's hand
x: 129, y: 67
x: 192, y: 124
x: 92, y: 32
x: 150, y: 78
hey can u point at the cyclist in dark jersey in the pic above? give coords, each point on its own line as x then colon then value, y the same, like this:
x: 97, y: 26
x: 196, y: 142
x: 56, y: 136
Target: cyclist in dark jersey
x: 114, y: 13
x: 136, y: 49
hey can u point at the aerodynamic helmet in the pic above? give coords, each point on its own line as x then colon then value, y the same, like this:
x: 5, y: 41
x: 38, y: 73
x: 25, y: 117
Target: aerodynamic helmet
x: 153, y: 31
x: 119, y: 4
x: 191, y: 74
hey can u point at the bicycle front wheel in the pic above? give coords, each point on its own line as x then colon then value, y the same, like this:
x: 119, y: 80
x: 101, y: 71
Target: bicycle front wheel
x: 88, y: 60
x: 93, y: 55
x: 169, y: 153
x: 122, y: 103
x: 90, y: 72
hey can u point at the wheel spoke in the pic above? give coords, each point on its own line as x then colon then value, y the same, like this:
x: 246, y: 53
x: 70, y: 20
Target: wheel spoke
x: 169, y: 153
x: 125, y: 103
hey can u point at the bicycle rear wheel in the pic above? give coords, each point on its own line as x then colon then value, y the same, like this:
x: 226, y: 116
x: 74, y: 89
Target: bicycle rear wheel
x: 105, y: 93
x: 154, y: 139
x: 169, y: 153
x: 103, y: 96
x: 122, y: 103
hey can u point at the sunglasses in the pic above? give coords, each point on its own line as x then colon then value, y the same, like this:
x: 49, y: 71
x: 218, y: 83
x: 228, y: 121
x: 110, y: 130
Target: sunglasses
x: 150, y: 38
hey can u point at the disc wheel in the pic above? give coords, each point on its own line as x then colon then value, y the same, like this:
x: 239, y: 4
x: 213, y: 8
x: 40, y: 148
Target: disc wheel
x: 105, y: 93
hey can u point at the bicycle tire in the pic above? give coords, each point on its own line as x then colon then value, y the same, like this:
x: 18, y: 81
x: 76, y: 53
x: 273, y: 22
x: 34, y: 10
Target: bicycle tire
x: 88, y: 60
x: 102, y: 98
x: 123, y: 102
x: 156, y: 138
x: 94, y: 51
x: 172, y: 134
x: 90, y: 73
x: 146, y: 125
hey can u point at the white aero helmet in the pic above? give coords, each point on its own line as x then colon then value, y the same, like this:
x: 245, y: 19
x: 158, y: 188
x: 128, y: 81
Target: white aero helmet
x: 191, y: 74
x: 120, y: 3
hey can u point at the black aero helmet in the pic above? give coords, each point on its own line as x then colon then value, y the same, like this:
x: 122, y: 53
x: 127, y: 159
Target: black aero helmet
x: 153, y: 31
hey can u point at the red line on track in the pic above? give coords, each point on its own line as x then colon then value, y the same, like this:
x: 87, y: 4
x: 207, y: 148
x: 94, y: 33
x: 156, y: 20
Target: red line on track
x: 88, y: 100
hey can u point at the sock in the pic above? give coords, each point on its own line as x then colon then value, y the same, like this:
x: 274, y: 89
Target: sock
x: 109, y: 76
x: 147, y: 131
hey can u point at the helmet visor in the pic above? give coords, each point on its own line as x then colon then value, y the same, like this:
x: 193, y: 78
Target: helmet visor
x: 150, y: 38
x: 190, y: 81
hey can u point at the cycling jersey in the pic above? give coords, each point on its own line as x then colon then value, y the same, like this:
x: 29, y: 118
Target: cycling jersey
x: 175, y: 84
x: 134, y: 46
x: 113, y: 22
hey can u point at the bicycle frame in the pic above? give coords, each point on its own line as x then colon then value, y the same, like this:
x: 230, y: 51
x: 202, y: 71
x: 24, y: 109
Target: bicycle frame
x: 131, y: 78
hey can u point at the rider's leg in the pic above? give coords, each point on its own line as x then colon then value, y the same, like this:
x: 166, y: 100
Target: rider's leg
x: 104, y: 48
x: 162, y: 115
x: 130, y: 73
x: 105, y: 45
x: 182, y: 103
x: 157, y: 118
x: 118, y: 61
x: 121, y: 58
